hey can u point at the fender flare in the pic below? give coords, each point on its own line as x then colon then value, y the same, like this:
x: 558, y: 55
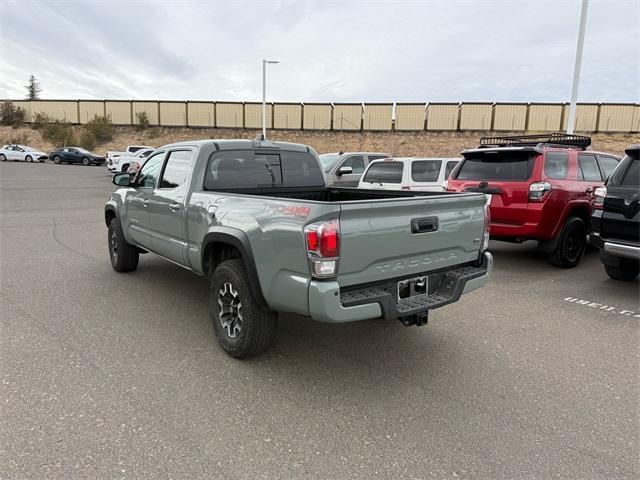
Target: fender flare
x: 108, y: 210
x: 239, y: 240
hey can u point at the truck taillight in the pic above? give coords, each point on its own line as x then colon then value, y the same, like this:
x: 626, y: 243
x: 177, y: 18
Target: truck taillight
x: 538, y: 191
x: 599, y: 195
x: 323, y: 248
x: 487, y: 224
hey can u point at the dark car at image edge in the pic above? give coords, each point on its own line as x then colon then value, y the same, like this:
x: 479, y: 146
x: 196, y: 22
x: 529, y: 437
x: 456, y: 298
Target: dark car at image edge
x: 615, y: 223
x: 76, y: 155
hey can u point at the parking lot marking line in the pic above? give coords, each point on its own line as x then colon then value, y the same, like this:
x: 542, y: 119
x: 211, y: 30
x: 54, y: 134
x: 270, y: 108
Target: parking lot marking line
x: 606, y: 308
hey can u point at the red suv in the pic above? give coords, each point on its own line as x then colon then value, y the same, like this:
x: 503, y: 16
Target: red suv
x: 541, y: 189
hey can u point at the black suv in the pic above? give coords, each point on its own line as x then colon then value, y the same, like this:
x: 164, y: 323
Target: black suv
x: 615, y: 223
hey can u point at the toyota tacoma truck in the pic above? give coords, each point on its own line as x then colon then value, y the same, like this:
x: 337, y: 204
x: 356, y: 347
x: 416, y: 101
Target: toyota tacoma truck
x: 256, y: 219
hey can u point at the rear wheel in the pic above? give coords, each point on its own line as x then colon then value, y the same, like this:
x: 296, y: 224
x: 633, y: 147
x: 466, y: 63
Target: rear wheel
x: 124, y: 256
x: 627, y: 270
x: 572, y: 244
x: 3, y: 158
x: 85, y: 161
x: 242, y: 327
x: 57, y: 160
x: 29, y: 158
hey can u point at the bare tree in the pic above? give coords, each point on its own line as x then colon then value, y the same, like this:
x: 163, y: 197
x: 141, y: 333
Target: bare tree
x: 33, y: 89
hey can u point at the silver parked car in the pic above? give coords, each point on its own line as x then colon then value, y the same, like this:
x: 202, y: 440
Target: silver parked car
x: 344, y: 169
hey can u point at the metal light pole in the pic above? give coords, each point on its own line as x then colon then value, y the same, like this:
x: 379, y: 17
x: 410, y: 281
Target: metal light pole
x: 264, y: 96
x: 576, y: 71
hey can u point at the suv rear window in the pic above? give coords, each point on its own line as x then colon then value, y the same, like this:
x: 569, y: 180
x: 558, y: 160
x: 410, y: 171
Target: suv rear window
x: 384, y: 172
x: 233, y: 169
x: 425, y: 170
x: 509, y: 166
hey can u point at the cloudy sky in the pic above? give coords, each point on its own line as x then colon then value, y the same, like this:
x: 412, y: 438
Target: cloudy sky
x: 349, y: 50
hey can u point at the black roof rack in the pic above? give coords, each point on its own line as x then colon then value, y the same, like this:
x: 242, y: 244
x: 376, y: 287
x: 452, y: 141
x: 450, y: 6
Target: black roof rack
x: 555, y: 139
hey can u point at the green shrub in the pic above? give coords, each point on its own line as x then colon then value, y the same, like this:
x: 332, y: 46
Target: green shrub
x: 101, y: 129
x: 59, y: 133
x: 142, y: 121
x: 39, y: 120
x: 87, y: 140
x: 10, y: 114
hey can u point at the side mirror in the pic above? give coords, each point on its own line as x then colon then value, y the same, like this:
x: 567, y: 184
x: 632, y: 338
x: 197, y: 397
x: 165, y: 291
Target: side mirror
x: 344, y: 171
x: 122, y: 179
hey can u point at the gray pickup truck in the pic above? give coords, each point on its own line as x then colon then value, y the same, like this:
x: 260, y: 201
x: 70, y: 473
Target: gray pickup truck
x: 256, y: 219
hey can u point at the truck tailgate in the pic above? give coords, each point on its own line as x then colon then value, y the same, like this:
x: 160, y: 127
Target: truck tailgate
x: 389, y: 238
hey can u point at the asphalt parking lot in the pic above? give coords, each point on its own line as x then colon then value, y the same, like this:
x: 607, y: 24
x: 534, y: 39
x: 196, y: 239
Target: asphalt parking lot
x: 108, y: 375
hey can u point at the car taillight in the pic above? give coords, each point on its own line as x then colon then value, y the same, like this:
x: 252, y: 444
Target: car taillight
x: 487, y: 224
x: 538, y: 191
x: 599, y: 195
x: 323, y: 248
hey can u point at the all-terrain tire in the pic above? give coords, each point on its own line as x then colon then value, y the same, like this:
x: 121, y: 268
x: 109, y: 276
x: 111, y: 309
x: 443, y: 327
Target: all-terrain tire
x: 124, y: 256
x: 572, y: 244
x: 626, y: 271
x: 257, y: 325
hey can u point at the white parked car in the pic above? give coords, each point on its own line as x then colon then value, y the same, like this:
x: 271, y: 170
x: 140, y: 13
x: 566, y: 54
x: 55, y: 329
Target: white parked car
x: 130, y: 150
x: 21, y: 153
x: 124, y: 162
x: 408, y: 173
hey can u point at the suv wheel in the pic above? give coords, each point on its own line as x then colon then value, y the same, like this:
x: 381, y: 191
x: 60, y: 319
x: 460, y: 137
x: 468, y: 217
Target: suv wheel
x: 124, y: 256
x: 572, y: 244
x: 242, y: 327
x: 627, y: 270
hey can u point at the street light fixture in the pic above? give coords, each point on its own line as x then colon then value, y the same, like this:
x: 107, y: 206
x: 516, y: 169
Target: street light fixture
x: 264, y: 96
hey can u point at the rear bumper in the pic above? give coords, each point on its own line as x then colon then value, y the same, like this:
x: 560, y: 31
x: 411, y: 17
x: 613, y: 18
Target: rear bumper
x: 327, y: 303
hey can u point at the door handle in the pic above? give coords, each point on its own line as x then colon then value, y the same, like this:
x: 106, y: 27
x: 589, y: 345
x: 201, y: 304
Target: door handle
x: 174, y: 207
x: 145, y: 203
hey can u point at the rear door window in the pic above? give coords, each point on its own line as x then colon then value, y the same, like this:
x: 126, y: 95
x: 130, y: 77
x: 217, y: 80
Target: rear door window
x: 425, y: 170
x: 589, y: 171
x: 384, y: 172
x: 607, y: 164
x: 556, y: 165
x: 508, y: 166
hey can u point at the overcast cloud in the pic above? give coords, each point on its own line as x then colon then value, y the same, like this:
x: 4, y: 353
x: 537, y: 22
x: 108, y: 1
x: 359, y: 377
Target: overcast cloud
x: 342, y: 51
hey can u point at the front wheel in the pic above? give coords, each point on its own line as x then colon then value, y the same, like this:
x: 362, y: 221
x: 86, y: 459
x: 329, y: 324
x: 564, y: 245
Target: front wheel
x: 626, y: 271
x: 572, y: 244
x: 242, y: 327
x: 29, y: 158
x: 124, y: 256
x: 57, y: 160
x: 85, y: 161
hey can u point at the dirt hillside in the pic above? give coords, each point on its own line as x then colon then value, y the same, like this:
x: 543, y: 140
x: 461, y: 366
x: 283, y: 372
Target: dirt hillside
x: 395, y: 143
